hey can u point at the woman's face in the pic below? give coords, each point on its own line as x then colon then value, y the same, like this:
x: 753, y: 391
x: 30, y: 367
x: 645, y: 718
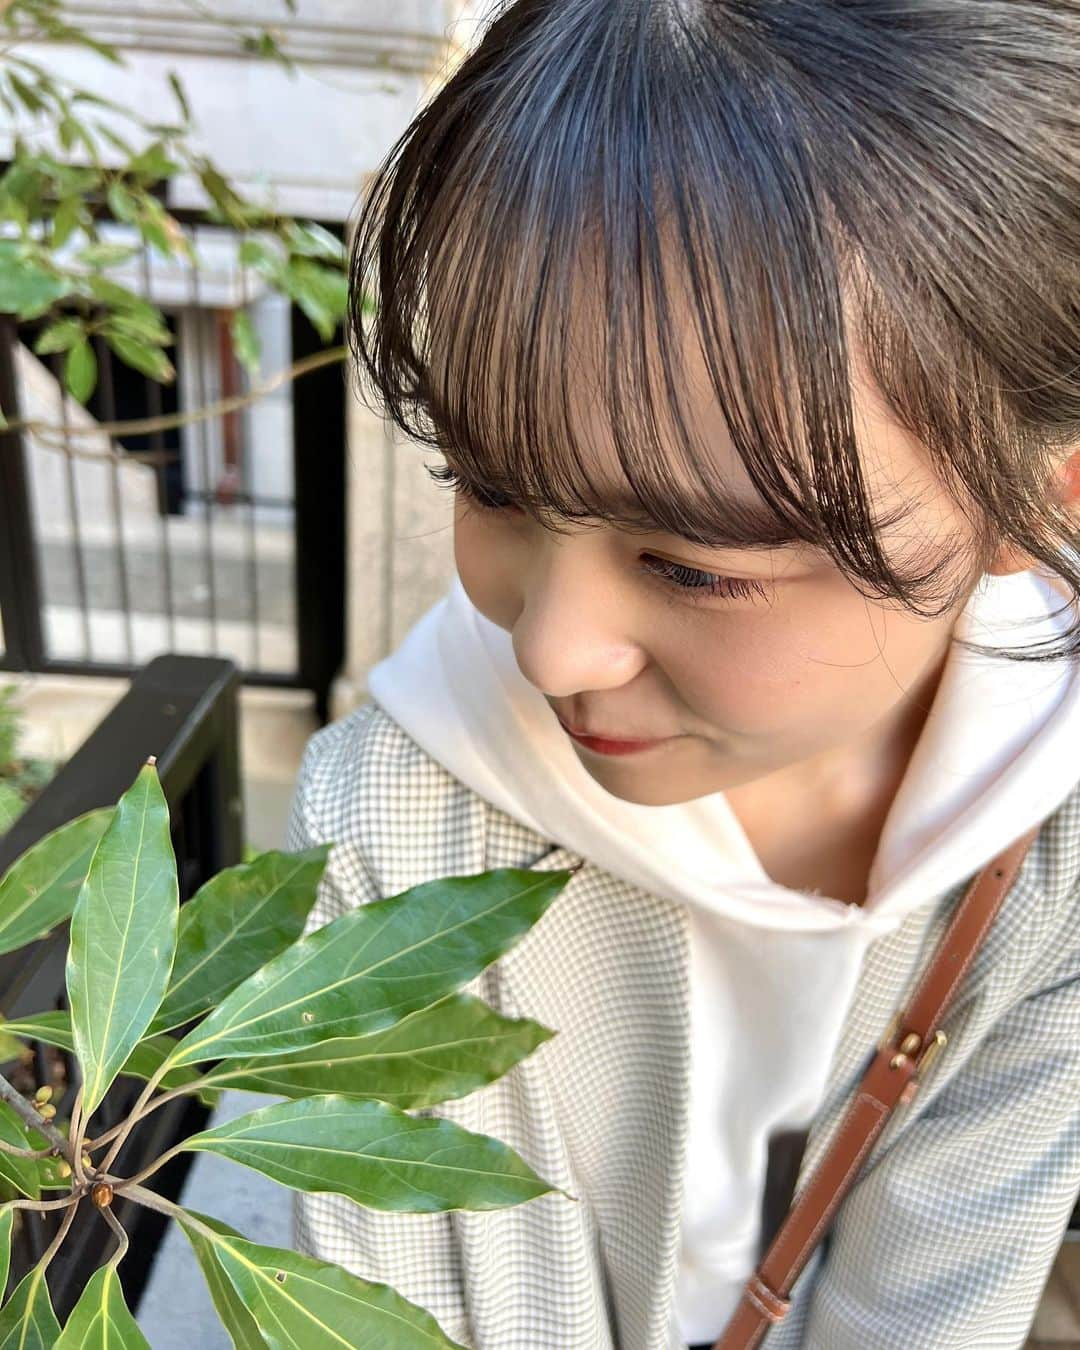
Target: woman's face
x: 786, y: 678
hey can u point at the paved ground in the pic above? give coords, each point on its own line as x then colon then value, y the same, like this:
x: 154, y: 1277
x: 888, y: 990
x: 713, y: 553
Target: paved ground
x: 235, y: 582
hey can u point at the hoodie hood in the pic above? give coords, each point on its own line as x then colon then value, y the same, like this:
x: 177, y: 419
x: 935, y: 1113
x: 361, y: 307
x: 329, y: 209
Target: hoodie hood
x: 997, y: 754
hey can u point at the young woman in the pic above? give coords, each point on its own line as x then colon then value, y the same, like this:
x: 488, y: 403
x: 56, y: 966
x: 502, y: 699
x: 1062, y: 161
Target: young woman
x: 750, y: 334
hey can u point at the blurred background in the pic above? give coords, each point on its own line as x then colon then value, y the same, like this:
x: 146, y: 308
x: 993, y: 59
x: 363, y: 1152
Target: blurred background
x: 206, y: 539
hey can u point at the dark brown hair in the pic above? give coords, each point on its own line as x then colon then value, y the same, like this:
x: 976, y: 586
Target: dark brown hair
x: 909, y: 166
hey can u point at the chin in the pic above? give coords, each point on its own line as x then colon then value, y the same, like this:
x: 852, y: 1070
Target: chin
x: 645, y: 793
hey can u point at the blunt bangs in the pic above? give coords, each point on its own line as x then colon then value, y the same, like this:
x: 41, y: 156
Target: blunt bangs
x: 601, y: 188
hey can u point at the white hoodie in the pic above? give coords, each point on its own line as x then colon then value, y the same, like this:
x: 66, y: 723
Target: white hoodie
x: 773, y: 969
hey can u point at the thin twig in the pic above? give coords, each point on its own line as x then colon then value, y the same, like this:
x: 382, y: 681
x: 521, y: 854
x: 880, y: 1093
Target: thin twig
x: 78, y: 1131
x: 61, y: 1234
x: 152, y: 1200
x: 167, y: 421
x: 25, y: 1203
x: 133, y: 1116
x: 27, y: 1152
x: 158, y: 1162
x: 121, y: 1234
x: 171, y: 1095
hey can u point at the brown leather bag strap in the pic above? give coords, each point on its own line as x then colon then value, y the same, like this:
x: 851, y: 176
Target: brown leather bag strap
x: 893, y: 1076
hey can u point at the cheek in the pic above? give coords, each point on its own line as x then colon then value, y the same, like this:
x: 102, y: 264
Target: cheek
x: 482, y: 559
x: 806, y: 662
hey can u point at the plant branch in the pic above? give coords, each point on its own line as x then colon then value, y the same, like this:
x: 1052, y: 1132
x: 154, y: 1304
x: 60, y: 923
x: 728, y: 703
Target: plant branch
x: 121, y: 1236
x: 38, y: 1122
x: 158, y: 1162
x: 171, y: 1095
x: 134, y: 1114
x: 27, y: 1152
x: 152, y: 1200
x: 24, y: 1202
x: 61, y: 1233
x: 138, y: 425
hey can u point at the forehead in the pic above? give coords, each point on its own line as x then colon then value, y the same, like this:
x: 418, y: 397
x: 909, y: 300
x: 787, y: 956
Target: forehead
x: 689, y: 452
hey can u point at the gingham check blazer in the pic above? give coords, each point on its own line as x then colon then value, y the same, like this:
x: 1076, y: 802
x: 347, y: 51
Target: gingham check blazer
x: 949, y: 1233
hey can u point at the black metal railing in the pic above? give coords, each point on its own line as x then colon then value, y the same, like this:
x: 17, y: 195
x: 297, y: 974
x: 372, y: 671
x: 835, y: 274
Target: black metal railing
x: 210, y: 554
x: 183, y: 710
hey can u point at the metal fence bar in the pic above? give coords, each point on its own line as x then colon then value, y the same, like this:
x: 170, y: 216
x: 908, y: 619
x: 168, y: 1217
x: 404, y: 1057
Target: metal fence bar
x: 157, y: 445
x: 108, y: 398
x: 56, y: 364
x: 20, y: 567
x: 247, y: 484
x: 204, y: 445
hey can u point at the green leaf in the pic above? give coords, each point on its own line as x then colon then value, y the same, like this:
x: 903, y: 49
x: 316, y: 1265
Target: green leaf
x: 27, y: 1320
x: 11, y: 1048
x: 66, y: 220
x: 245, y: 341
x: 234, y: 924
x: 101, y: 1319
x: 376, y: 964
x: 150, y: 361
x: 27, y: 289
x: 435, y: 1055
x: 40, y: 888
x: 236, y: 1319
x: 301, y: 1303
x: 321, y: 292
x: 59, y: 336
x: 154, y: 163
x: 181, y: 99
x: 21, y: 1172
x: 7, y: 1218
x: 105, y: 254
x: 27, y: 96
x: 376, y: 1155
x: 120, y: 298
x: 80, y: 370
x: 121, y: 202
x: 314, y: 241
x: 123, y: 936
x: 54, y: 1028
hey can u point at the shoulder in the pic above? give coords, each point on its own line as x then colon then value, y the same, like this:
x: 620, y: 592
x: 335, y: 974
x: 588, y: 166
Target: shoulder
x: 395, y: 815
x: 1035, y: 942
x: 365, y: 760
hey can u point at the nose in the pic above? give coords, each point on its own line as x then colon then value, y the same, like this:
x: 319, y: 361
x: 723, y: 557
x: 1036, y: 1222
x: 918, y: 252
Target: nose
x: 574, y: 629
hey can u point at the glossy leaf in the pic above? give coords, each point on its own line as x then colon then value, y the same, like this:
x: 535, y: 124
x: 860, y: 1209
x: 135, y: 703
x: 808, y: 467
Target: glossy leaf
x: 27, y: 1320
x: 40, y: 888
x: 301, y: 1303
x: 376, y: 1155
x: 7, y: 1218
x: 435, y: 1055
x: 101, y: 1320
x: 54, y: 1028
x: 240, y: 919
x: 123, y: 936
x: 20, y: 1172
x: 376, y: 964
x: 235, y: 1318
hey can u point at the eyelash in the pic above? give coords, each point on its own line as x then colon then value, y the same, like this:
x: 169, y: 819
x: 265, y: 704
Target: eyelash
x: 678, y: 575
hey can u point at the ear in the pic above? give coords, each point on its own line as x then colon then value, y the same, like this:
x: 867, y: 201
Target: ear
x: 1064, y: 483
